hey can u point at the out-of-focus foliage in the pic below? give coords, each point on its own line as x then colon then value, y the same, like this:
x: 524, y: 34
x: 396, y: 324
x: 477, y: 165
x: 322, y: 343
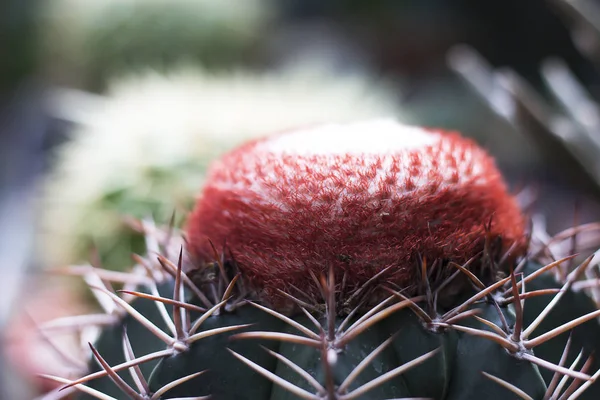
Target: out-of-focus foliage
x: 87, y: 42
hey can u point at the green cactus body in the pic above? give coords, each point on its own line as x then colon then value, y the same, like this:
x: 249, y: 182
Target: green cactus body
x: 584, y: 338
x: 392, y: 349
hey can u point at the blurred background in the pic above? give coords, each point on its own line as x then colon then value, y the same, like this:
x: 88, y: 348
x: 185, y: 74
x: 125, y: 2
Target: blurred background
x: 114, y: 108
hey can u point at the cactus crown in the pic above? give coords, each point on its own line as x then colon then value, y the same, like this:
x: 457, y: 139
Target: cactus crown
x: 359, y: 198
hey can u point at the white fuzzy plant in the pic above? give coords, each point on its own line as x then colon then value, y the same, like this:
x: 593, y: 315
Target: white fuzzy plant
x: 145, y: 146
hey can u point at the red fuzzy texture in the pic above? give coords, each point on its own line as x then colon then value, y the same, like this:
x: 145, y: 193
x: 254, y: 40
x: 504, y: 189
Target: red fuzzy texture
x: 282, y: 213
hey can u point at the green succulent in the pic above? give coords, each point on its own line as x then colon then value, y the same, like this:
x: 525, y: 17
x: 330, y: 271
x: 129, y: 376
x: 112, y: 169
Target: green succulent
x: 179, y: 332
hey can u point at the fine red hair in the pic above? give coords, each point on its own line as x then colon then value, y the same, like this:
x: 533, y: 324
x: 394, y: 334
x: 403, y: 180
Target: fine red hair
x: 283, y: 206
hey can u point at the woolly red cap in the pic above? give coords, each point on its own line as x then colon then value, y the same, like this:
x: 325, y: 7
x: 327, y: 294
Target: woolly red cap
x: 358, y: 197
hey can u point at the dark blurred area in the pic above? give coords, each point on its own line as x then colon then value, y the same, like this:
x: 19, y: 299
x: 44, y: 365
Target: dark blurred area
x: 22, y: 131
x: 406, y: 41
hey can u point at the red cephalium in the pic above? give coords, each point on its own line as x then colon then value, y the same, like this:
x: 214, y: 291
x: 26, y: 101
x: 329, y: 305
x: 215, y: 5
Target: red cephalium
x: 358, y: 198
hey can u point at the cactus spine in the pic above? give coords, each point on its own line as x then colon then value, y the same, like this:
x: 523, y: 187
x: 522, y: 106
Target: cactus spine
x: 210, y: 339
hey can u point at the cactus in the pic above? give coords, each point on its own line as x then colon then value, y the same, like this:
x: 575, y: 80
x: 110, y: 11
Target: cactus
x: 255, y: 318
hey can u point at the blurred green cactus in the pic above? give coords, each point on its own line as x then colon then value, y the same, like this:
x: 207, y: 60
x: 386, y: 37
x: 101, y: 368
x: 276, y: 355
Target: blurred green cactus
x: 88, y: 43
